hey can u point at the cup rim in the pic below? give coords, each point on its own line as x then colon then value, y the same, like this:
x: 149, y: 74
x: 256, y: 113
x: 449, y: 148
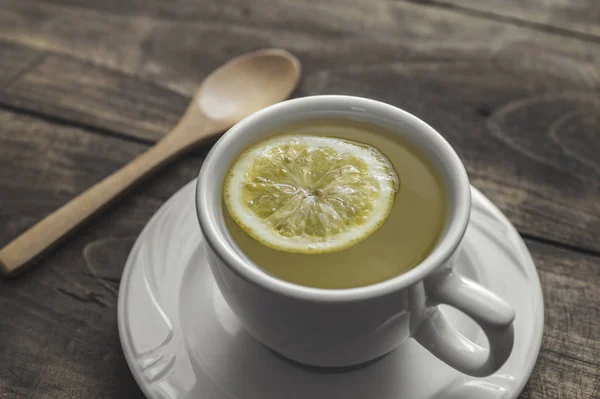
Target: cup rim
x: 213, y: 227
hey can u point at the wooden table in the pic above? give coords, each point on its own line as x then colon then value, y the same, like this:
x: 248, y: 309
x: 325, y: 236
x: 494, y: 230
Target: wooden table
x: 85, y: 86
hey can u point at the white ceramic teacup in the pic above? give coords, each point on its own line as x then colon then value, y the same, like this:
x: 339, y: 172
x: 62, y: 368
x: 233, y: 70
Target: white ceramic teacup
x: 345, y: 327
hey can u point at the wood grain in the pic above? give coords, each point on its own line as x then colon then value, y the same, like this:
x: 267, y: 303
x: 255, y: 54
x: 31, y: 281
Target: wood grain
x: 85, y: 86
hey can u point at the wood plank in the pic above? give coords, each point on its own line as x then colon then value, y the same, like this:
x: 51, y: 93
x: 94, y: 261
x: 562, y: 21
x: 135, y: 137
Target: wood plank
x: 59, y: 338
x: 78, y: 91
x: 580, y: 16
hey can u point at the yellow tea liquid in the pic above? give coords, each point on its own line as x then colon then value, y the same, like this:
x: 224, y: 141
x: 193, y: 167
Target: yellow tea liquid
x: 406, y: 238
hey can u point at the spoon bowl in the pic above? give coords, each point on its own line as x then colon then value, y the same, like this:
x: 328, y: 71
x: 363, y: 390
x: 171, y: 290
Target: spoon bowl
x: 247, y: 84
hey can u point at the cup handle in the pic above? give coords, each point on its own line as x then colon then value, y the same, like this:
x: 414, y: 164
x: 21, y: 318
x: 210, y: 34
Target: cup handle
x: 491, y: 312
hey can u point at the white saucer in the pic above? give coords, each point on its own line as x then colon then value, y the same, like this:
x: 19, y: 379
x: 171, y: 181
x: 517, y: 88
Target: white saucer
x: 182, y: 341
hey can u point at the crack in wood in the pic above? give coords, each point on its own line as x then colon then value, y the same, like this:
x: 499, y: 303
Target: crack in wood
x: 90, y: 297
x: 114, y: 280
x: 57, y: 120
x: 32, y: 65
x: 571, y: 357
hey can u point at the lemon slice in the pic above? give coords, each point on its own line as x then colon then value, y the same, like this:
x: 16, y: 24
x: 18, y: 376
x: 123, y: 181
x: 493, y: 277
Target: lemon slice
x: 310, y: 194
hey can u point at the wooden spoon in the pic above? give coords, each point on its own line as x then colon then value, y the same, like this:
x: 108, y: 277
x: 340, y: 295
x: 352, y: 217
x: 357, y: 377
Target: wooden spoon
x: 235, y: 90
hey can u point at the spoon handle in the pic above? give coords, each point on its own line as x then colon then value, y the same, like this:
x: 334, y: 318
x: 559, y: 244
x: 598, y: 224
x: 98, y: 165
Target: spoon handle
x: 31, y: 245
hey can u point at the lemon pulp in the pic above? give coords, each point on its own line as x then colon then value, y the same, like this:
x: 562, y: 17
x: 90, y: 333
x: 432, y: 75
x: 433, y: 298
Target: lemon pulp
x: 310, y: 194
